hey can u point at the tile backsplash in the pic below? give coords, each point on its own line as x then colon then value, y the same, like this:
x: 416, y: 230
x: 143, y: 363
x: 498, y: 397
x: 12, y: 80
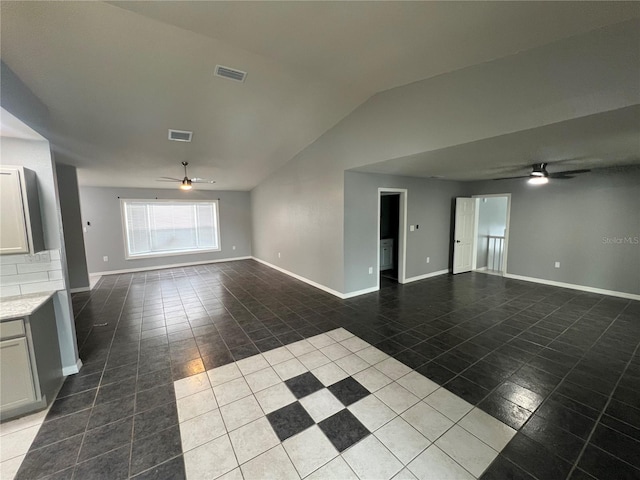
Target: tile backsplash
x: 23, y: 274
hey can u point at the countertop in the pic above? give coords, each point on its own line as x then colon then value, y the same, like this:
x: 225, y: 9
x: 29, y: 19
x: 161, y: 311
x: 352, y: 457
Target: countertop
x: 22, y: 305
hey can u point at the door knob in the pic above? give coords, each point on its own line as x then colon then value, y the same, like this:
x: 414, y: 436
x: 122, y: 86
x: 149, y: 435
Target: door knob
x: 457, y: 241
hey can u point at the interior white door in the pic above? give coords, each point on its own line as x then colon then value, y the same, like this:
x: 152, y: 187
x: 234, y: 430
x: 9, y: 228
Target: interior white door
x: 463, y: 234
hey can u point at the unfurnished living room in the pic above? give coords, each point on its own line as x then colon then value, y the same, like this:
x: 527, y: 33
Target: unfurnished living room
x: 319, y: 240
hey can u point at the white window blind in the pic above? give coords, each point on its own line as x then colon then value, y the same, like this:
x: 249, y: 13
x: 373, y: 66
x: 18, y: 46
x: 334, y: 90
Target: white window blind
x: 161, y: 227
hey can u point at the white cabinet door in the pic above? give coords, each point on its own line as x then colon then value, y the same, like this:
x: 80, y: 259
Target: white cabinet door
x: 16, y: 378
x: 13, y: 228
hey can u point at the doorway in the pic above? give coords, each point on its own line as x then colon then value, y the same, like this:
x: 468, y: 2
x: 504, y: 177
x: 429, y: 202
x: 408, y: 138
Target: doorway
x: 491, y: 234
x: 389, y: 234
x: 392, y: 212
x: 481, y: 234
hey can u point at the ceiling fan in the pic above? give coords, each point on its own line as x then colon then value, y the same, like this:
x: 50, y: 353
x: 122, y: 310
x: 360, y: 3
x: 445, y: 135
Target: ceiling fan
x: 185, y: 183
x: 539, y: 174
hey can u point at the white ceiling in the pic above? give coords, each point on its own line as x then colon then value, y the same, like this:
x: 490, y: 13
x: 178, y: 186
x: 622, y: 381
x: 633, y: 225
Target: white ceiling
x: 117, y: 76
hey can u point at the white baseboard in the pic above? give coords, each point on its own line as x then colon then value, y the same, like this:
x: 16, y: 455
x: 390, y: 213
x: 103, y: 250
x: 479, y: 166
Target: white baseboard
x: 66, y: 371
x: 485, y: 271
x: 355, y: 293
x: 303, y: 279
x: 80, y: 289
x: 583, y: 288
x: 174, y: 265
x: 426, y: 275
x: 347, y: 295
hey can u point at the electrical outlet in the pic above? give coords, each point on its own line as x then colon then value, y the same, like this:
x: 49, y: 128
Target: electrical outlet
x: 412, y: 228
x: 278, y: 254
x: 557, y: 265
x: 370, y: 270
x: 105, y: 259
x: 428, y: 259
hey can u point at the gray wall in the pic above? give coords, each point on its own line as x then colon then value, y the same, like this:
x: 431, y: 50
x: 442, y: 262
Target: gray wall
x: 299, y: 210
x: 72, y: 223
x: 101, y: 207
x: 575, y: 222
x: 429, y: 206
x: 299, y: 213
x: 492, y: 219
x: 21, y: 102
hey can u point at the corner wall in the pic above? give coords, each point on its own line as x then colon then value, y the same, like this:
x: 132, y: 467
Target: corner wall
x: 72, y: 223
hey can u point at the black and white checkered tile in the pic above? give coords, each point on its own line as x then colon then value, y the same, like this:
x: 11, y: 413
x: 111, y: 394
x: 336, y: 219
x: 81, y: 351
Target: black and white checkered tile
x: 330, y: 407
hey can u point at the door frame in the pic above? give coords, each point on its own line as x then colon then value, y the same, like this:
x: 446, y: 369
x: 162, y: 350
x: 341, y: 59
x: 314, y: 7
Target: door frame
x: 474, y: 260
x: 402, y: 234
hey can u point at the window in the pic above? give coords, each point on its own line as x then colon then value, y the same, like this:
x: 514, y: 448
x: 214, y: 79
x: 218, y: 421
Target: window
x: 170, y: 227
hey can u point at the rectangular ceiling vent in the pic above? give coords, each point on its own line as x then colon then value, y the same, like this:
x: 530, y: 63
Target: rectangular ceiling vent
x: 230, y: 73
x: 180, y: 135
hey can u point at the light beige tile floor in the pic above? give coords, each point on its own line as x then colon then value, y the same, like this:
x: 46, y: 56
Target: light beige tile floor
x: 418, y: 429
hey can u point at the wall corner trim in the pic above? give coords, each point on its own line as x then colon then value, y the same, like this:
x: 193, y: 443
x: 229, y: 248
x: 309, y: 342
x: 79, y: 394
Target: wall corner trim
x: 426, y: 275
x: 66, y: 371
x: 356, y: 293
x: 80, y: 289
x: 583, y: 288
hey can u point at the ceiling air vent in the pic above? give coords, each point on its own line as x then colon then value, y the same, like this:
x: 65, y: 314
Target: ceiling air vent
x: 180, y: 135
x: 230, y: 73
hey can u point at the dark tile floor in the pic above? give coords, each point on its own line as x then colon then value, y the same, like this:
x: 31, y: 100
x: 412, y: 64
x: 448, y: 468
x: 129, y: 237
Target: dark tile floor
x: 560, y: 366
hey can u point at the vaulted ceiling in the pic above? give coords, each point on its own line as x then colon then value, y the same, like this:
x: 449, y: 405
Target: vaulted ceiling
x: 116, y: 76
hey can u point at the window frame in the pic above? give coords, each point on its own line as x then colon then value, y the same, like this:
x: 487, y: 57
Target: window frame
x: 176, y: 253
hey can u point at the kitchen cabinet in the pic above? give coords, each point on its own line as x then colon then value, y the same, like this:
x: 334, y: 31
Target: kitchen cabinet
x: 20, y: 223
x: 16, y: 376
x: 30, y: 366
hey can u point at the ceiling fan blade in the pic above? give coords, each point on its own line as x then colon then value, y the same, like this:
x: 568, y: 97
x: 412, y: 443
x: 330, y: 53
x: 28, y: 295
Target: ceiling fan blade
x: 512, y: 178
x: 557, y: 176
x: 168, y: 179
x: 201, y: 180
x: 566, y: 174
x: 571, y: 172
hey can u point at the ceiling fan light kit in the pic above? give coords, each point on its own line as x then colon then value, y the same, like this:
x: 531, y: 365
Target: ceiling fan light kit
x: 539, y: 174
x: 186, y: 184
x: 538, y: 180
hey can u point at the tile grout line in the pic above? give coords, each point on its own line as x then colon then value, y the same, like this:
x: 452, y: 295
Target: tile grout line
x: 564, y: 378
x: 602, y: 413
